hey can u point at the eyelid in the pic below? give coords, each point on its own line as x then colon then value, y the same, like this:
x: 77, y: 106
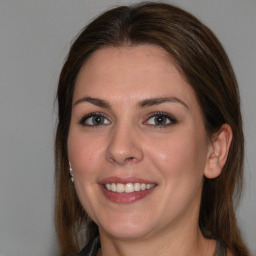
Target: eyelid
x: 172, y: 119
x: 93, y: 114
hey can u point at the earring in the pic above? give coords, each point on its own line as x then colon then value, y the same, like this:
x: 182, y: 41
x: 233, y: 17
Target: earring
x: 71, y: 172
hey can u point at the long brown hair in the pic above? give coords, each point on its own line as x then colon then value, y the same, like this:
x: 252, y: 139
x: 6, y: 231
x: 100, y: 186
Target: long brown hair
x: 203, y: 62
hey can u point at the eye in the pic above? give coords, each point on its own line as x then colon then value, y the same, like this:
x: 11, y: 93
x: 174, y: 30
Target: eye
x: 94, y: 119
x: 161, y: 120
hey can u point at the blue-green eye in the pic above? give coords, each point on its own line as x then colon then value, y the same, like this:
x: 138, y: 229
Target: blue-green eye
x: 161, y: 120
x: 94, y: 119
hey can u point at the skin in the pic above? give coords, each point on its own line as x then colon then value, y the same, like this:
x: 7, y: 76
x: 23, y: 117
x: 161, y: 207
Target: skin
x: 129, y: 143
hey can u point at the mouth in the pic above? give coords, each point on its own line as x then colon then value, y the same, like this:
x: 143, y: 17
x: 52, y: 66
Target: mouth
x: 126, y: 190
x: 128, y: 187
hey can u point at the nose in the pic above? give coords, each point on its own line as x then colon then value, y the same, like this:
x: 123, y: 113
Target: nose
x: 124, y: 146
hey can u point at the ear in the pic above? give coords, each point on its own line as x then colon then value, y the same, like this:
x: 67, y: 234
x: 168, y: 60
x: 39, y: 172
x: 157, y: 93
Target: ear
x: 218, y: 151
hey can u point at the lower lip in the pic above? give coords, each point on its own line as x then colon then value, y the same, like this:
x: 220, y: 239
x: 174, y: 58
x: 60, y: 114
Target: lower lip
x: 125, y: 198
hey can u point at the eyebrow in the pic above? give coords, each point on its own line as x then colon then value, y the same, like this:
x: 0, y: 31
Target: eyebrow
x: 95, y: 101
x: 157, y: 101
x: 144, y: 103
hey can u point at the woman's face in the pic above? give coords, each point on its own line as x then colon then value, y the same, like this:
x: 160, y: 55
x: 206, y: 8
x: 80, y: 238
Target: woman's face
x: 137, y: 143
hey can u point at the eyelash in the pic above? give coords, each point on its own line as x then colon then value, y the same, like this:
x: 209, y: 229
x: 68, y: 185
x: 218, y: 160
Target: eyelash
x: 172, y: 120
x: 169, y: 118
x: 91, y: 115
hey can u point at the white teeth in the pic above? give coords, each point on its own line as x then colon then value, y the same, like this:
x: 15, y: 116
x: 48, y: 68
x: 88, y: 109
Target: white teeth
x: 127, y: 188
x: 113, y: 187
x: 148, y: 186
x: 119, y: 188
x: 137, y: 187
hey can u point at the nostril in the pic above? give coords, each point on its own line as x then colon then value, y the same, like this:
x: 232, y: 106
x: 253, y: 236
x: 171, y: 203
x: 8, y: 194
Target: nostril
x: 123, y: 153
x: 129, y: 159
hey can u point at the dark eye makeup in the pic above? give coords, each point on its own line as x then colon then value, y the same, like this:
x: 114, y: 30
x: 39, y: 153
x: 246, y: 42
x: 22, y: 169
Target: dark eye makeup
x: 156, y: 120
x: 160, y: 120
x: 94, y: 120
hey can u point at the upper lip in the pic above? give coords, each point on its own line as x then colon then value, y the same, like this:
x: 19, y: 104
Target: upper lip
x: 125, y: 180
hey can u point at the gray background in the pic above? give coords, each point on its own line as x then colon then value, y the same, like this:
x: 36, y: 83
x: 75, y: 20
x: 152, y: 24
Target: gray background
x: 34, y: 40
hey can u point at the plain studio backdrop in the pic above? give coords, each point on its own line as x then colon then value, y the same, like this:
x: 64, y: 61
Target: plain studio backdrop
x: 34, y: 39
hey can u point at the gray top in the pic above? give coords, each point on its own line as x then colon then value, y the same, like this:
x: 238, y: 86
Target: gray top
x: 92, y: 248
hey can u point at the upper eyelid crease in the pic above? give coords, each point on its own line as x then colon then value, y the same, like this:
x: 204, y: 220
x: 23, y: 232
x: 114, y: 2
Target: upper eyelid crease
x: 170, y: 117
x: 145, y: 103
x: 83, y: 119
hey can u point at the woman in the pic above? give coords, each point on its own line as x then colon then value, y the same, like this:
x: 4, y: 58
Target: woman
x: 149, y: 143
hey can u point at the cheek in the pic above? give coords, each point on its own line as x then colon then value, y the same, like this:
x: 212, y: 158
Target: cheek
x: 84, y: 153
x: 180, y: 155
x: 180, y: 164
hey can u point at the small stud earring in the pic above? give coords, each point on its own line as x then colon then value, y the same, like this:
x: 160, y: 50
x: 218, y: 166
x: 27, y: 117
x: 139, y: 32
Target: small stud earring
x: 71, y: 172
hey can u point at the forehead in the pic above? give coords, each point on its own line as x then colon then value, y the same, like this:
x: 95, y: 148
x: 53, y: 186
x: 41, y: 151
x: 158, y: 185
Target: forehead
x: 130, y: 73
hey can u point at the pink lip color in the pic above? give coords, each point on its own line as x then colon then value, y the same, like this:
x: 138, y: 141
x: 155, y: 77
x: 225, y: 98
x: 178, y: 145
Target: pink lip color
x: 125, y: 180
x: 125, y: 198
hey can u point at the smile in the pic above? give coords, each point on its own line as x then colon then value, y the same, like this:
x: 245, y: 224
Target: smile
x: 127, y: 190
x: 128, y: 187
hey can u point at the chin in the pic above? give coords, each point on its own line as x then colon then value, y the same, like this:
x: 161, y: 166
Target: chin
x: 128, y: 234
x: 128, y: 229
